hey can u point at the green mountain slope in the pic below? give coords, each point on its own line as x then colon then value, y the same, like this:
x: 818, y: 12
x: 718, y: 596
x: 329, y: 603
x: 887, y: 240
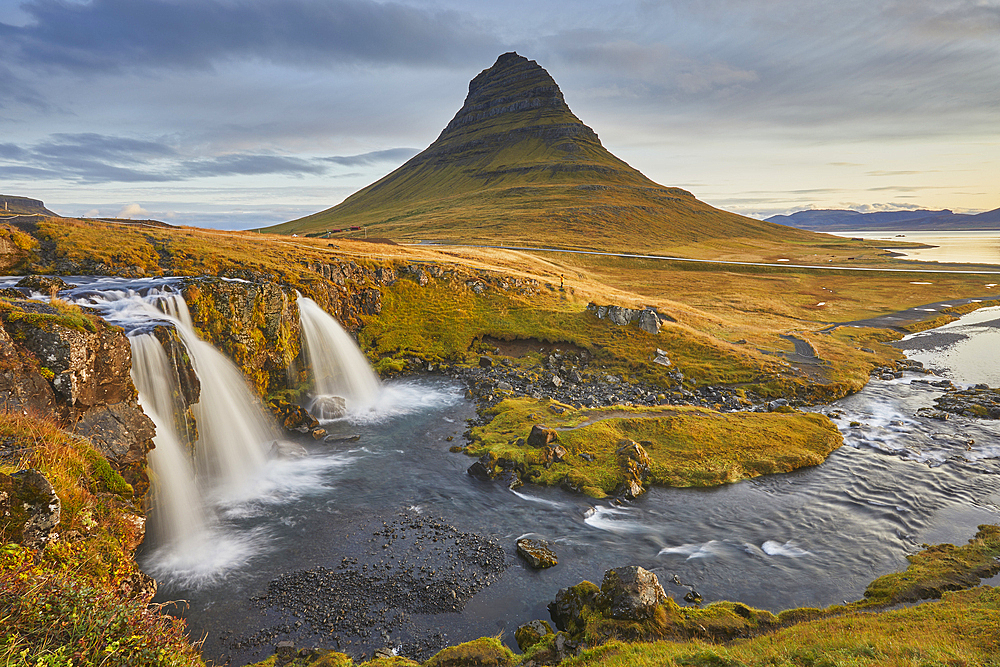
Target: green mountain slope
x: 516, y: 166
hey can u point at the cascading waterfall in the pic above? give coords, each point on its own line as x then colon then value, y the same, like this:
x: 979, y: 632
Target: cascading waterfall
x: 339, y: 368
x: 179, y: 512
x: 233, y: 431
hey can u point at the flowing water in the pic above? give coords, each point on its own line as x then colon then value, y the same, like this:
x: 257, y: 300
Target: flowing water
x: 809, y: 538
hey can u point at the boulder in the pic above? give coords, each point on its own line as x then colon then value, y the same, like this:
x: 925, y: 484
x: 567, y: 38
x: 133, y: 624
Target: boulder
x: 537, y: 553
x: 541, y: 436
x: 292, y: 417
x: 44, y: 284
x: 631, y: 593
x: 123, y: 434
x: 568, y: 608
x: 635, y: 465
x: 531, y: 633
x: 29, y: 509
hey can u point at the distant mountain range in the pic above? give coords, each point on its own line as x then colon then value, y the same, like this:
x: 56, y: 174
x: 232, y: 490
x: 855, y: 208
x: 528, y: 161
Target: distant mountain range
x: 515, y: 165
x: 833, y: 220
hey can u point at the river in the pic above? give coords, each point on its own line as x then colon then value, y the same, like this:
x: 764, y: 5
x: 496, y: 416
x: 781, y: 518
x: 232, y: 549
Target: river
x: 384, y: 527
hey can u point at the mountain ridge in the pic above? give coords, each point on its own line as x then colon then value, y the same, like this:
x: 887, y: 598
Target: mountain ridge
x: 844, y: 220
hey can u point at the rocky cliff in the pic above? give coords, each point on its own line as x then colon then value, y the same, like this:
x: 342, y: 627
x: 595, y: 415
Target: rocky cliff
x: 61, y: 364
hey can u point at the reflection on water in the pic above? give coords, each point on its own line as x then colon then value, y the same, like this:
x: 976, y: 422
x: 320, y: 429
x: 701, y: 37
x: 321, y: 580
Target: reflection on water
x: 973, y: 247
x: 966, y: 350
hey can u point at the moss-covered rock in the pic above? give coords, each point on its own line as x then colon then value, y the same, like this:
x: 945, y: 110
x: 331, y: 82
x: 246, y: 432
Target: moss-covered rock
x: 483, y: 652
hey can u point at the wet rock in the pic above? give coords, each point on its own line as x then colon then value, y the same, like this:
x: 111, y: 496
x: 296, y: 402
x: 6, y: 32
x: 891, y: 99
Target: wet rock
x: 341, y: 439
x: 979, y: 402
x: 537, y: 553
x: 328, y: 407
x: 531, y: 633
x: 485, y: 362
x: 631, y: 593
x: 569, y: 605
x: 292, y: 417
x: 44, y: 284
x: 284, y: 449
x: 284, y: 653
x: 29, y: 508
x: 541, y: 436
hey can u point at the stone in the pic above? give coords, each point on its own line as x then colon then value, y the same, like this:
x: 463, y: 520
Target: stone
x: 328, y: 407
x: 484, y: 468
x: 536, y: 553
x: 485, y: 362
x: 557, y: 381
x: 541, y: 436
x: 531, y: 633
x: 569, y: 605
x: 285, y: 652
x: 44, y: 284
x: 504, y: 386
x: 631, y: 593
x: 635, y: 464
x: 29, y: 509
x: 284, y: 449
x: 123, y: 434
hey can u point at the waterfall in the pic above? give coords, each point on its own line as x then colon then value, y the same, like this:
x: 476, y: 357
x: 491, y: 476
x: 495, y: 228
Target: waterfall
x: 233, y: 429
x: 179, y: 514
x: 339, y: 368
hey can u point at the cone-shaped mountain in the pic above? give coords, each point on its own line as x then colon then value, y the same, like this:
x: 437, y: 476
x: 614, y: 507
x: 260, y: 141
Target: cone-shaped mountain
x: 515, y: 165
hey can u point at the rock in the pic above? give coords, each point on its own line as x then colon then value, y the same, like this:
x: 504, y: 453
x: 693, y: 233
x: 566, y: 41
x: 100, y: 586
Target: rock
x: 123, y: 434
x: 777, y: 403
x: 44, y: 284
x: 575, y: 377
x: 541, y: 436
x: 292, y: 417
x: 537, y: 553
x: 635, y: 464
x: 556, y: 381
x: 283, y: 449
x: 341, y: 439
x: 483, y: 468
x: 556, y: 453
x: 139, y: 585
x: 384, y: 653
x: 661, y: 359
x: 531, y: 633
x: 328, y: 407
x: 284, y: 653
x: 485, y: 362
x: 631, y: 593
x: 29, y: 509
x: 647, y: 318
x: 318, y: 433
x: 693, y: 597
x: 504, y: 386
x: 567, y: 609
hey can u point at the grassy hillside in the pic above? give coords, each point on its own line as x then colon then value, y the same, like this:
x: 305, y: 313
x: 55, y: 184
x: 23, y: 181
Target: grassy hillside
x: 516, y: 166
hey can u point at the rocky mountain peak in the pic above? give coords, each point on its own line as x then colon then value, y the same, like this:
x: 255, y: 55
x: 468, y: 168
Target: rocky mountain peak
x: 514, y: 92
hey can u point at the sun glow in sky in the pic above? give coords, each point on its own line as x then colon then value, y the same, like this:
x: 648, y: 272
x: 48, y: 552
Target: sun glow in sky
x: 240, y: 113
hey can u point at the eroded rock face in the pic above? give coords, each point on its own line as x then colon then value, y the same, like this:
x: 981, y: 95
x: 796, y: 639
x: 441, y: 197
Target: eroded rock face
x: 123, y: 434
x: 631, y: 593
x: 29, y: 509
x: 22, y: 387
x: 89, y: 368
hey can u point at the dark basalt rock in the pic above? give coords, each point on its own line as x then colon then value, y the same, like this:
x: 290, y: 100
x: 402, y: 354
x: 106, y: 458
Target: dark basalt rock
x: 979, y: 402
x: 537, y: 553
x: 568, y: 607
x: 635, y: 464
x: 29, y: 509
x: 44, y: 284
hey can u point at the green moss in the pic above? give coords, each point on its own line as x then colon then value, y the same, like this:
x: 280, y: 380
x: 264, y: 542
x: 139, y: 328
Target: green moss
x: 109, y: 479
x: 687, y: 446
x: 940, y: 568
x: 483, y: 652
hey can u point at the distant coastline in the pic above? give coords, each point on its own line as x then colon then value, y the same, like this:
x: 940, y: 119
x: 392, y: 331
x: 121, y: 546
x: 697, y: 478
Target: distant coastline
x: 842, y: 222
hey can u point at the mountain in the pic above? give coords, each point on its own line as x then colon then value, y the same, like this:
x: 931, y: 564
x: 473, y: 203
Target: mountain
x: 516, y: 166
x: 23, y: 205
x: 834, y: 220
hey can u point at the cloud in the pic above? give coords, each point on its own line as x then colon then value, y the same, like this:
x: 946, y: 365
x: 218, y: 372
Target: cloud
x: 133, y: 211
x: 99, y: 158
x: 249, y: 164
x: 127, y: 34
x: 396, y: 155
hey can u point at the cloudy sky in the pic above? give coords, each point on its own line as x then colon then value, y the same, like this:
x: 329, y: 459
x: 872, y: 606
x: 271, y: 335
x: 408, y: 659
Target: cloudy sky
x: 239, y: 113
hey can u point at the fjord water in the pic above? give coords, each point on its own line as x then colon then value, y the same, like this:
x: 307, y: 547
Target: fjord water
x: 971, y: 247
